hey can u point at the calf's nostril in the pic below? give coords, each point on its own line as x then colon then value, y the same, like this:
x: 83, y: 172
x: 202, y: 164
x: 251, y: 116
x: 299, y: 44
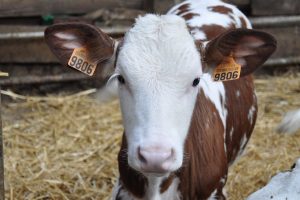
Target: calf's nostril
x: 141, y: 156
x: 156, y: 159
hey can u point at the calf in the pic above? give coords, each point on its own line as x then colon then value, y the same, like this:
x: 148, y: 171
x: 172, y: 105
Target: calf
x: 284, y: 185
x: 182, y: 129
x: 290, y: 123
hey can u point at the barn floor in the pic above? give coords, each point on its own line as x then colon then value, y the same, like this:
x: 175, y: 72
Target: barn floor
x: 65, y: 147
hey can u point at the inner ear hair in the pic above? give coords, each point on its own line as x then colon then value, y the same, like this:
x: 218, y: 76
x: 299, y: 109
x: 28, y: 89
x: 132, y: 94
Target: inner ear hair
x: 250, y: 48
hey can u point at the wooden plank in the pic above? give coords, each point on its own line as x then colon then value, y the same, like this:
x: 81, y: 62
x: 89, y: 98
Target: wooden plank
x: 20, y: 74
x: 288, y: 43
x: 239, y: 2
x: 1, y: 157
x: 286, y: 31
x: 15, y: 47
x: 25, y: 51
x: 37, y: 32
x: 275, y: 21
x: 35, y: 79
x: 9, y: 8
x: 275, y: 7
x: 277, y: 62
x: 31, y: 48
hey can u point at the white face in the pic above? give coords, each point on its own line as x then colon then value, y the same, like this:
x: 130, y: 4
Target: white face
x: 158, y: 73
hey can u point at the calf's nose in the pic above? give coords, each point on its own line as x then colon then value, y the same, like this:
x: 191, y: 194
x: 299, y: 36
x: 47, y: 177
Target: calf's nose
x: 156, y: 160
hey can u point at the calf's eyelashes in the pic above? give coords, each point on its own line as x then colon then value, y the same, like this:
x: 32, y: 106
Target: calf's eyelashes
x: 121, y: 79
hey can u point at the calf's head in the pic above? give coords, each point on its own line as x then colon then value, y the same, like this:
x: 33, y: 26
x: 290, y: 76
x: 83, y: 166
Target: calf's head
x: 158, y: 69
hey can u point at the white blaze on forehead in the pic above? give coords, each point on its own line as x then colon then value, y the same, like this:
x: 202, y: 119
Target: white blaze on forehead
x: 159, y: 62
x: 159, y: 46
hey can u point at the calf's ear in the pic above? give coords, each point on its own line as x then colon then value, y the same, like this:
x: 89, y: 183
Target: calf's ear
x: 62, y: 39
x: 249, y: 48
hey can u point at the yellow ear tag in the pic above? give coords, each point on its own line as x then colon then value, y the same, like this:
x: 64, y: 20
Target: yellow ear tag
x: 79, y: 61
x: 3, y: 74
x: 228, y: 70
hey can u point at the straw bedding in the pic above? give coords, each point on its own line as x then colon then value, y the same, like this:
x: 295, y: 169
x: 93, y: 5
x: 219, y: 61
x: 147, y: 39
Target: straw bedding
x: 65, y: 147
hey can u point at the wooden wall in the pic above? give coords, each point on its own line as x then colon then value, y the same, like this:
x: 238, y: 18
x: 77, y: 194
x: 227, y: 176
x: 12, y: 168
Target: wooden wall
x: 19, y: 8
x: 275, y: 7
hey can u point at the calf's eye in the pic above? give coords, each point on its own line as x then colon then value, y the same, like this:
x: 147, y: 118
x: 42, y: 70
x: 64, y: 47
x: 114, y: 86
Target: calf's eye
x: 196, y: 82
x: 121, y: 79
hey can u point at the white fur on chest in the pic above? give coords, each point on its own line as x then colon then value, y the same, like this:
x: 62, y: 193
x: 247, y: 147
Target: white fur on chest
x: 152, y: 192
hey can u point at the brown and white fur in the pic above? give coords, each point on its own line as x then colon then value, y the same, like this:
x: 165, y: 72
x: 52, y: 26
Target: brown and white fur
x: 182, y: 130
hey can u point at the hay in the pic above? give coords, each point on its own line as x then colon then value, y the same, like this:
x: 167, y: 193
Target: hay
x: 267, y: 152
x: 60, y: 148
x: 66, y: 147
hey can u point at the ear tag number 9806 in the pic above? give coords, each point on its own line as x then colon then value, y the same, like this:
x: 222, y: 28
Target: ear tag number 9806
x: 79, y: 61
x: 227, y: 70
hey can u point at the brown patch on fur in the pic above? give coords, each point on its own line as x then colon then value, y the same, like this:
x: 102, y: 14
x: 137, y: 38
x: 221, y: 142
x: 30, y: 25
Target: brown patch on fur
x: 220, y: 9
x: 183, y: 8
x: 223, y: 10
x: 133, y: 181
x: 166, y: 183
x: 238, y: 108
x: 213, y: 30
x: 206, y: 163
x: 189, y: 16
x: 243, y: 22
